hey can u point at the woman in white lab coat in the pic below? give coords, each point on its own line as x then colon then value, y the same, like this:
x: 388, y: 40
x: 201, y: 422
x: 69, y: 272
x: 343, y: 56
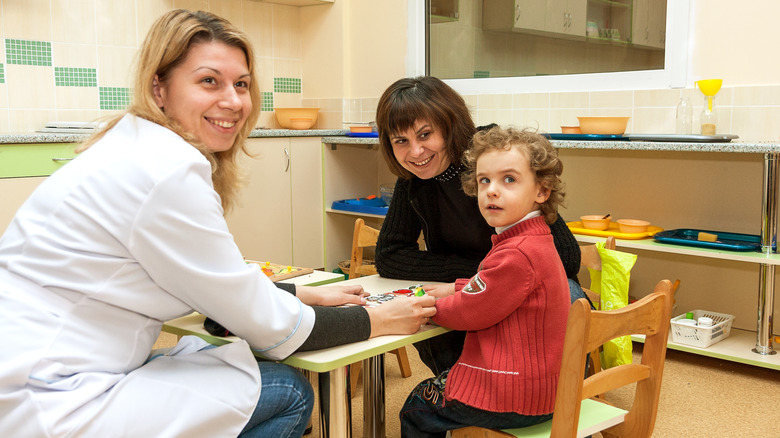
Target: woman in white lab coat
x: 131, y: 233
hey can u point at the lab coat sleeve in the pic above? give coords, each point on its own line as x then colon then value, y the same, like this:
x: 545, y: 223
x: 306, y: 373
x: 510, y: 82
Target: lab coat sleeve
x: 181, y: 239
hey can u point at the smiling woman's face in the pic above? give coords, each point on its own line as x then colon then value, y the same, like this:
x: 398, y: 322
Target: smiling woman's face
x: 421, y: 150
x: 208, y: 94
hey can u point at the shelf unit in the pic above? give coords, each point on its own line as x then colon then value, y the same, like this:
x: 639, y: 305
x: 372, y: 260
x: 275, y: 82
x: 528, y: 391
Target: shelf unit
x: 732, y: 348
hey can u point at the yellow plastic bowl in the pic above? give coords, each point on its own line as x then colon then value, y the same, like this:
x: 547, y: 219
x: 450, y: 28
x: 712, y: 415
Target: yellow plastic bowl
x: 296, y: 118
x: 632, y: 226
x: 603, y: 125
x: 595, y: 222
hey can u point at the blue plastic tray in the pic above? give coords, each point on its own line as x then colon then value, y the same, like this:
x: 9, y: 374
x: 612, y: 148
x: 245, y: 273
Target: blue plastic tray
x: 726, y: 241
x: 362, y: 205
x: 585, y: 137
x: 362, y: 134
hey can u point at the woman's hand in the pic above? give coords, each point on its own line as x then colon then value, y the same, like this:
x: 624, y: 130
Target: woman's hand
x: 439, y: 290
x: 331, y: 295
x: 401, y: 315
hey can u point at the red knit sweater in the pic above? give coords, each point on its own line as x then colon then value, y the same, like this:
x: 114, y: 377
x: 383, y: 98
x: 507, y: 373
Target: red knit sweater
x: 515, y: 310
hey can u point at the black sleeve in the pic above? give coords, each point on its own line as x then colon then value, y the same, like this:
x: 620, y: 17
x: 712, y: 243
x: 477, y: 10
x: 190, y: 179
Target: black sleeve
x: 398, y: 254
x: 287, y: 287
x: 567, y: 247
x: 337, y: 326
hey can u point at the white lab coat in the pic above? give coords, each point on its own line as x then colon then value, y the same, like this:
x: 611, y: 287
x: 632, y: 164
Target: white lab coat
x: 126, y: 236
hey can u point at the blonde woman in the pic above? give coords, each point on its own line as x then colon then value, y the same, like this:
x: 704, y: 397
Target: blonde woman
x: 131, y: 233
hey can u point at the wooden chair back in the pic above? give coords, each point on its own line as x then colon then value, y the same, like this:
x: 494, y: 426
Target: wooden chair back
x: 362, y: 237
x: 587, y: 329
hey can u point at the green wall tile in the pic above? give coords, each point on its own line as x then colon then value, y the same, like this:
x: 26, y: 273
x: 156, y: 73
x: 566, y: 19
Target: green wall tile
x: 267, y: 101
x: 2, y: 74
x: 114, y: 98
x: 26, y: 52
x: 75, y: 77
x: 287, y: 85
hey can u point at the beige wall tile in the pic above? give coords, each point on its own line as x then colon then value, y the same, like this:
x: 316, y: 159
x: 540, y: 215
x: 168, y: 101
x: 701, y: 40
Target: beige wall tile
x: 570, y: 100
x: 148, y: 11
x: 116, y: 23
x: 563, y: 117
x: 499, y: 116
x: 29, y: 86
x: 73, y: 55
x: 267, y: 119
x: 116, y: 66
x: 657, y: 98
x: 538, y: 119
x: 21, y: 23
x: 757, y: 123
x: 192, y: 5
x: 29, y: 120
x: 231, y: 10
x: 83, y: 98
x: 266, y: 67
x: 531, y: 100
x: 653, y: 121
x: 259, y: 27
x: 760, y: 95
x: 73, y: 21
x: 287, y: 100
x: 5, y: 126
x: 288, y: 68
x: 286, y: 32
x: 89, y: 115
x: 611, y: 99
x: 495, y: 101
x: 3, y: 96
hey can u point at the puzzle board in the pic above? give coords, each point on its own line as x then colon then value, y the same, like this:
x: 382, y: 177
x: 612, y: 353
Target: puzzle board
x: 277, y: 272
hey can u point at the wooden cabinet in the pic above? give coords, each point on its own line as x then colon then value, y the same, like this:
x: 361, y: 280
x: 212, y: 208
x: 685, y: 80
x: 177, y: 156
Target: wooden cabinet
x: 612, y: 19
x: 566, y: 17
x: 649, y: 23
x: 560, y: 18
x: 278, y: 214
x: 445, y: 11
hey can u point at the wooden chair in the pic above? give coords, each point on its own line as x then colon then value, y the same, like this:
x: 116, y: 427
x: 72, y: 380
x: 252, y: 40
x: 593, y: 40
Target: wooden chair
x: 576, y: 413
x: 365, y: 236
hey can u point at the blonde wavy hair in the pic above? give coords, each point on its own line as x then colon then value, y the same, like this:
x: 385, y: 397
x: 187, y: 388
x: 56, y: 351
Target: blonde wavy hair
x: 166, y: 46
x: 542, y: 157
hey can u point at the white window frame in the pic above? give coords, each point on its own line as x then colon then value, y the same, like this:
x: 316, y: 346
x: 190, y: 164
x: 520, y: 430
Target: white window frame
x: 674, y: 75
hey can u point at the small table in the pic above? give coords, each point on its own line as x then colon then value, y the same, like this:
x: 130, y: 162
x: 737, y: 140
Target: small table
x: 332, y: 364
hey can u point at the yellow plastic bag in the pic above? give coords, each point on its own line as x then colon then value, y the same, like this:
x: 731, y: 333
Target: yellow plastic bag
x: 611, y: 283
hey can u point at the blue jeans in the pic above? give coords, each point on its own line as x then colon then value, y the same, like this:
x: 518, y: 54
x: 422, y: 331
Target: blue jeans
x: 285, y: 405
x: 440, y: 353
x: 426, y: 414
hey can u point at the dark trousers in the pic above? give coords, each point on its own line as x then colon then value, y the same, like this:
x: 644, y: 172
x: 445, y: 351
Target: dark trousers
x: 426, y: 414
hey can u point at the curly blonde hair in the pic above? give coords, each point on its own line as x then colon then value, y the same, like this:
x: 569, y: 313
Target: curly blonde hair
x: 166, y: 46
x: 542, y: 157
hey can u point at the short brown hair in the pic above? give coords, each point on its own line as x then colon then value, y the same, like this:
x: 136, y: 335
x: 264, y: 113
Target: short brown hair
x: 423, y: 98
x: 542, y: 157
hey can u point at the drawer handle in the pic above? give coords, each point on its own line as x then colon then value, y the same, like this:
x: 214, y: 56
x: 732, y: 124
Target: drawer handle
x: 56, y: 160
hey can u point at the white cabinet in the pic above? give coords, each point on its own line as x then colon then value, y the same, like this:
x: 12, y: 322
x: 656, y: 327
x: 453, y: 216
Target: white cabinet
x: 278, y: 214
x: 649, y: 23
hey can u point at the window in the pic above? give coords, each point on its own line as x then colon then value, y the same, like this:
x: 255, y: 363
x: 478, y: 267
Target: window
x: 485, y: 47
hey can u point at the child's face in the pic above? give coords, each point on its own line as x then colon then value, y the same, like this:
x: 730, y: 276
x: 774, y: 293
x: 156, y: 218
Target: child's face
x: 507, y: 189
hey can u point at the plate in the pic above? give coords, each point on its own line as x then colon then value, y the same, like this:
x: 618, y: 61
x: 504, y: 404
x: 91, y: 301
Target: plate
x: 587, y: 137
x: 687, y: 138
x: 727, y: 241
x: 612, y: 230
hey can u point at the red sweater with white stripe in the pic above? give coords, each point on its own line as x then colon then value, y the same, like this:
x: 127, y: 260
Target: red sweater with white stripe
x: 514, y: 310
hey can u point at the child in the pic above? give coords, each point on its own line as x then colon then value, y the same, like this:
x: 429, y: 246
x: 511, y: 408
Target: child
x: 514, y: 309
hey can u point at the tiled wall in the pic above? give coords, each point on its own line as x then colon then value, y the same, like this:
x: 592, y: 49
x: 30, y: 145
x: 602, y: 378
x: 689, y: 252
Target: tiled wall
x: 71, y: 59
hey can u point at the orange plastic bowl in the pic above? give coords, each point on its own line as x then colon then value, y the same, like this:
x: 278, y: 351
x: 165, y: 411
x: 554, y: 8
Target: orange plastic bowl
x: 571, y: 130
x: 595, y: 222
x: 296, y: 118
x: 632, y: 226
x: 603, y: 125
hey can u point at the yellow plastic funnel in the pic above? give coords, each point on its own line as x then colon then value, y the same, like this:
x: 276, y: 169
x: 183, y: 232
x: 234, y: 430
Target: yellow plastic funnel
x: 709, y: 87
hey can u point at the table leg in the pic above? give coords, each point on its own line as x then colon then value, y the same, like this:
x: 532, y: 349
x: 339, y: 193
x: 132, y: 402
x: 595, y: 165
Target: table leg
x: 335, y: 404
x: 374, y: 397
x: 766, y: 281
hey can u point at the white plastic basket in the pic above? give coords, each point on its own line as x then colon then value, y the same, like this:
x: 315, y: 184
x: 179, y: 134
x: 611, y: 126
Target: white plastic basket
x: 702, y: 336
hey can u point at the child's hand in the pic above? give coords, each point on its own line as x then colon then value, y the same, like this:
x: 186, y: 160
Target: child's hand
x: 331, y: 295
x: 439, y: 290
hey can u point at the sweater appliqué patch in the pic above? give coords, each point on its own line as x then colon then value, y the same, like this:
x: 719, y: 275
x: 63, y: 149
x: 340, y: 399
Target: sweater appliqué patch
x: 475, y: 285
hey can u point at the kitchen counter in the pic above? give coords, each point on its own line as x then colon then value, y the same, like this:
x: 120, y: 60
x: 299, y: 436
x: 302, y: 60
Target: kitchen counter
x: 49, y: 137
x: 750, y: 148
